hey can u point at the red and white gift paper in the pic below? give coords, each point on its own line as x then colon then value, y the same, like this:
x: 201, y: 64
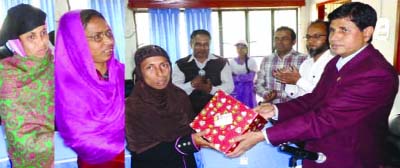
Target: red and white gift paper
x: 226, y: 118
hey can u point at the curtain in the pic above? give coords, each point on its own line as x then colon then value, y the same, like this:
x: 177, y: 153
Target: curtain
x: 164, y: 30
x: 48, y: 7
x: 198, y: 18
x: 213, y: 3
x: 7, y: 4
x: 113, y: 12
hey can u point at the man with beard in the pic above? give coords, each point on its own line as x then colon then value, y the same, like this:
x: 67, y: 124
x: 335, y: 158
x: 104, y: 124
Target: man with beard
x: 303, y: 80
x: 201, y: 74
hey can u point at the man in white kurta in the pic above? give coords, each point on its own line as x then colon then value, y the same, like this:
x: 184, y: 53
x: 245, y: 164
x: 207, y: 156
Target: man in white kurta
x: 303, y: 81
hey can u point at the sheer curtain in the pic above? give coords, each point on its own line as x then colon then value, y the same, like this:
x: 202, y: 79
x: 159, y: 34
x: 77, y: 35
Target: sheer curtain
x: 197, y: 18
x: 114, y: 12
x: 164, y: 30
x: 48, y: 7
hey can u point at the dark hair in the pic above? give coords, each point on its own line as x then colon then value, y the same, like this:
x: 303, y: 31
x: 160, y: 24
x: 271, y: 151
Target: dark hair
x: 362, y: 15
x: 51, y: 37
x: 325, y: 23
x: 285, y: 28
x: 247, y: 64
x: 199, y: 31
x: 87, y: 14
x: 246, y: 60
x: 321, y: 22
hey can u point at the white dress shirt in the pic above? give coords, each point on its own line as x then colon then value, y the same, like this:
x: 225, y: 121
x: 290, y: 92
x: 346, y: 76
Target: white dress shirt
x: 310, y: 73
x: 178, y: 77
x: 342, y: 61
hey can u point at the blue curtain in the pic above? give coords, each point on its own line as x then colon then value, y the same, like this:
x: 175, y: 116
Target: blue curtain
x: 7, y: 4
x: 164, y: 25
x: 114, y: 13
x: 198, y: 18
x: 48, y: 7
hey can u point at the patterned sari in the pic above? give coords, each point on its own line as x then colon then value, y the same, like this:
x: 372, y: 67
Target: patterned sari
x: 27, y: 109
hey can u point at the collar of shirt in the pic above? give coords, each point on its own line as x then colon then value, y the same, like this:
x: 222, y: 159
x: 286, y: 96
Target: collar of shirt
x: 342, y: 61
x: 102, y: 77
x: 202, y: 65
x: 326, y: 55
x: 285, y: 56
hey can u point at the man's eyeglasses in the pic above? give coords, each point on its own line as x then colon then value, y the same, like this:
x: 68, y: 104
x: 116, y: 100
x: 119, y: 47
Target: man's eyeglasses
x: 98, y: 37
x: 315, y: 36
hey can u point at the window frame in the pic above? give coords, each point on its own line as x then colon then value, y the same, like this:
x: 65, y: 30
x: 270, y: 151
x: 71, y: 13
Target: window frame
x: 247, y: 26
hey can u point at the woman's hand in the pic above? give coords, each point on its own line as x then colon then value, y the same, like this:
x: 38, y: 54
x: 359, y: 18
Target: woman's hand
x: 200, y: 141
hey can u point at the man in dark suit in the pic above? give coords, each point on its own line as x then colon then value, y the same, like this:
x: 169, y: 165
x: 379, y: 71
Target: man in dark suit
x: 345, y: 117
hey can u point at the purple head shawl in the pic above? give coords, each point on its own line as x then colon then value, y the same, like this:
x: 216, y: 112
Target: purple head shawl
x: 89, y: 112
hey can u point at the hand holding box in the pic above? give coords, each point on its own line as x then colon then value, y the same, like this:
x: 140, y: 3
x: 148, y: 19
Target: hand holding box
x: 226, y: 118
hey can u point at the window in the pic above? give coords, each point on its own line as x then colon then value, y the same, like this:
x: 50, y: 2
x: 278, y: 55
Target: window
x: 233, y: 29
x: 79, y: 4
x: 142, y: 30
x: 256, y: 26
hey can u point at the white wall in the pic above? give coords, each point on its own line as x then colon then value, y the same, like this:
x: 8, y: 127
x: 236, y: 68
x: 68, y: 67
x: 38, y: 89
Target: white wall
x: 384, y: 9
x: 304, y: 20
x: 130, y: 42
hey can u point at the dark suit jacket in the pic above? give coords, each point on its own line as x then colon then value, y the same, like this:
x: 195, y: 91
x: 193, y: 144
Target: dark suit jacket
x: 346, y: 115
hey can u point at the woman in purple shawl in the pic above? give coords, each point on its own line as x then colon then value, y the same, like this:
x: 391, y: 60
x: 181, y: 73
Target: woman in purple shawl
x: 244, y: 69
x: 89, y: 90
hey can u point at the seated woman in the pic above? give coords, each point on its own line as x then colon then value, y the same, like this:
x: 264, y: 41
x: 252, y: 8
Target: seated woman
x: 27, y: 88
x: 90, y: 90
x: 158, y: 115
x: 244, y: 70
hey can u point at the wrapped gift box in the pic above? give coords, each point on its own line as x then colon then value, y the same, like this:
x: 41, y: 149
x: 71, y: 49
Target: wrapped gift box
x: 226, y: 118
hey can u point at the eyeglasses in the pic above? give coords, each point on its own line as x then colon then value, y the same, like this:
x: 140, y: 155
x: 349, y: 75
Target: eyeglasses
x: 315, y: 36
x: 98, y: 37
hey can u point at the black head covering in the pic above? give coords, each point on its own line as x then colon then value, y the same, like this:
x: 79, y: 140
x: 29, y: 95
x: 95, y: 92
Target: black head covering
x: 19, y: 20
x: 145, y: 52
x: 153, y: 116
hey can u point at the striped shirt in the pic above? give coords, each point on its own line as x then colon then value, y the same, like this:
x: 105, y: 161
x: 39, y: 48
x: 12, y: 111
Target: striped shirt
x: 265, y: 82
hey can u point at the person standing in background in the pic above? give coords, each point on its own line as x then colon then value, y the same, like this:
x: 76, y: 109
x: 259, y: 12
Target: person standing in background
x: 302, y: 81
x: 244, y: 70
x: 201, y: 74
x: 267, y: 86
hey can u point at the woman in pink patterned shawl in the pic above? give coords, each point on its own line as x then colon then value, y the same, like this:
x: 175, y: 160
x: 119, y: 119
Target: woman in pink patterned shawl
x: 27, y: 88
x: 89, y: 90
